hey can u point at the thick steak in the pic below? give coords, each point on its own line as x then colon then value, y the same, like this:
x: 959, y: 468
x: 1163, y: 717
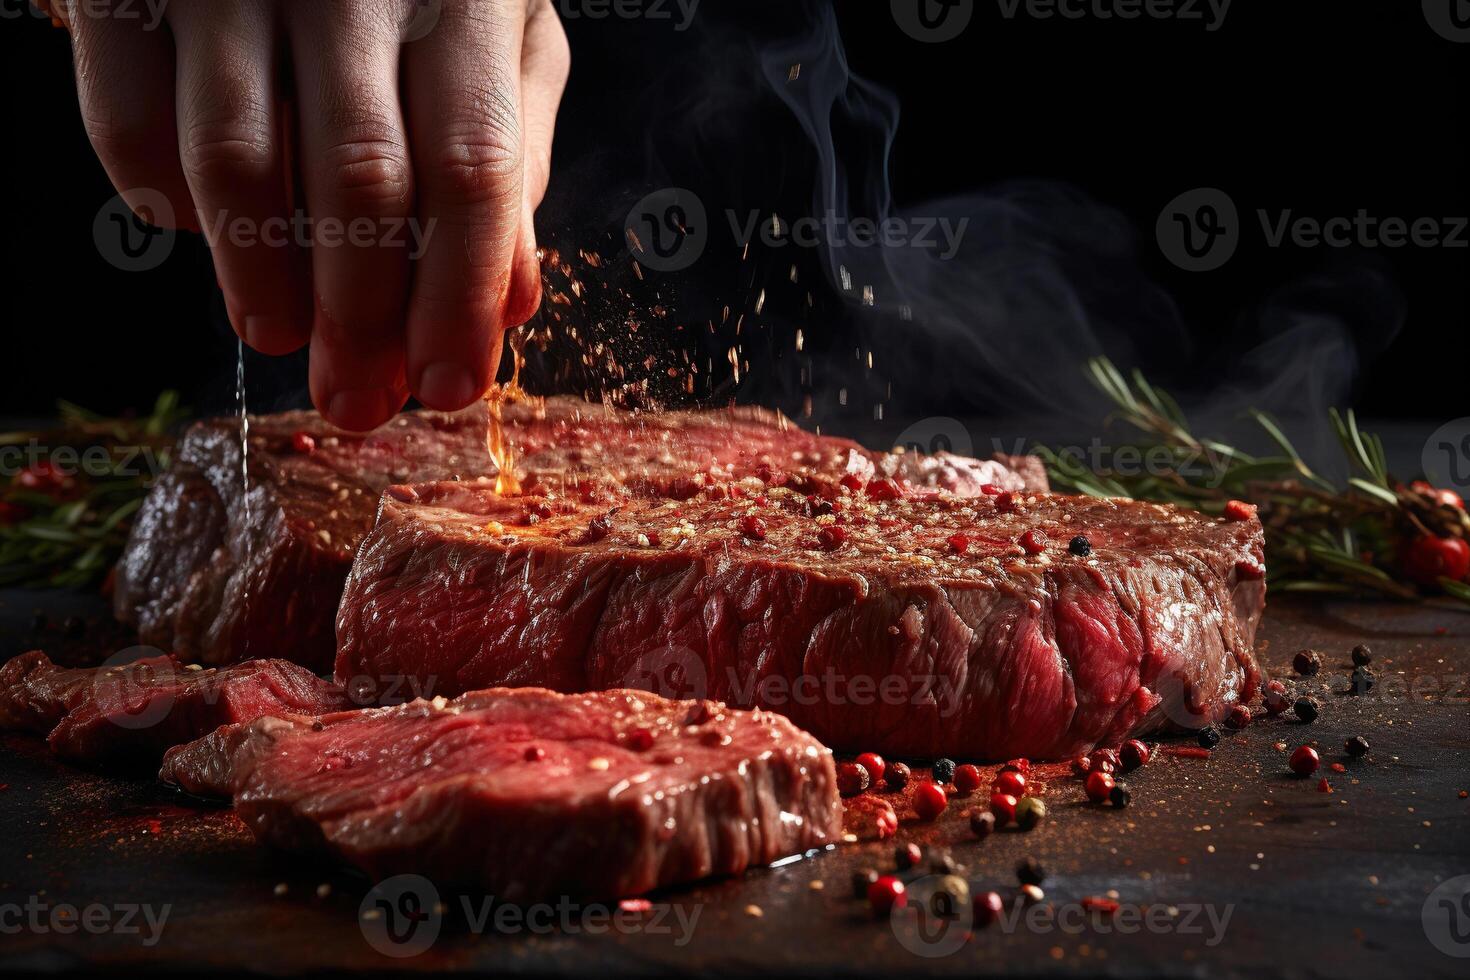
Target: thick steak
x: 125, y: 716
x: 214, y: 574
x: 526, y: 794
x: 915, y: 626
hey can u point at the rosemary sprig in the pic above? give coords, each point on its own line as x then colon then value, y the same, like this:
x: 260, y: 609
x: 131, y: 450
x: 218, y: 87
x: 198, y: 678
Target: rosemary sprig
x: 1319, y: 537
x: 68, y: 494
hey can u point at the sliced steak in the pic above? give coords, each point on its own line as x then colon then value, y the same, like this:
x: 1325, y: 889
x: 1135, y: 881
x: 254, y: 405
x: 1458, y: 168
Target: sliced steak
x: 217, y: 575
x: 126, y: 716
x: 917, y: 625
x: 528, y: 794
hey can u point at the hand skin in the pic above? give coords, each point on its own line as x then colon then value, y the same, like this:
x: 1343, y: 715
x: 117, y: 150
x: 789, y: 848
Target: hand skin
x: 413, y: 136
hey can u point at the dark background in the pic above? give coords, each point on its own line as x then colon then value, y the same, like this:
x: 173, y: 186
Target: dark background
x: 1320, y: 106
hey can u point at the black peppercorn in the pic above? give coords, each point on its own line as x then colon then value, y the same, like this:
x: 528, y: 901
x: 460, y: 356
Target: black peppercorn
x: 1208, y: 738
x: 1357, y: 746
x: 1080, y: 546
x: 907, y: 856
x: 942, y: 864
x: 1362, y: 656
x: 1030, y: 872
x: 1307, y: 709
x: 944, y: 770
x: 1307, y: 662
x: 1363, y: 680
x: 896, y: 775
x: 861, y: 880
x: 982, y: 823
x: 1120, y: 797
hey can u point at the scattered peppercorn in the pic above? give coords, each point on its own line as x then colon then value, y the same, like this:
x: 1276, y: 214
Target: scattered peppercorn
x: 1307, y: 709
x: 832, y: 537
x: 303, y: 443
x: 958, y: 543
x: 1239, y: 717
x: 1323, y: 786
x: 943, y: 770
x: 884, y: 490
x: 873, y: 762
x: 535, y: 753
x: 1304, y: 760
x: 942, y: 864
x: 930, y: 800
x: 907, y: 856
x: 1005, y: 502
x: 1208, y: 738
x: 753, y: 527
x: 1357, y: 746
x: 1030, y: 811
x: 852, y: 778
x: 1003, y: 806
x: 1034, y: 542
x: 1239, y: 510
x: 1032, y: 895
x: 1099, y: 785
x: 1120, y: 797
x: 640, y: 740
x: 1133, y: 755
x: 1277, y: 700
x: 1362, y: 681
x: 861, y: 880
x: 1080, y: 546
x: 1108, y: 756
x: 1307, y: 662
x: 989, y: 907
x: 896, y: 775
x: 1081, y: 765
x: 1030, y: 872
x: 1362, y: 656
x: 966, y: 779
x: 886, y: 894
x: 1010, y: 782
x: 982, y: 823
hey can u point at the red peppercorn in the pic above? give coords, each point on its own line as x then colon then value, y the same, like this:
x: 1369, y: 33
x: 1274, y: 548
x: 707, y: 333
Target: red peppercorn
x: 42, y: 477
x: 886, y: 894
x: 1276, y: 699
x: 907, y: 856
x: 753, y: 527
x: 1429, y: 558
x: 990, y: 489
x: 896, y: 775
x: 884, y: 490
x: 966, y: 779
x: 535, y: 753
x: 958, y: 543
x: 1081, y: 765
x: 640, y: 740
x: 930, y: 801
x: 1304, y: 761
x: 1105, y: 759
x: 1010, y: 782
x: 1323, y: 786
x: 303, y: 443
x: 873, y: 762
x: 1133, y: 755
x: 1249, y: 570
x: 832, y: 537
x: 982, y: 823
x: 989, y: 907
x: 852, y: 778
x: 1003, y: 805
x: 1239, y: 717
x: 1022, y: 766
x: 1099, y: 786
x: 851, y: 482
x: 1239, y: 510
x: 1006, y: 502
x: 1034, y: 541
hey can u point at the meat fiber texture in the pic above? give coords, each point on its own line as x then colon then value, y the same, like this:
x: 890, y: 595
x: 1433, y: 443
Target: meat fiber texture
x: 216, y: 574
x: 528, y: 794
x: 124, y: 717
x: 928, y: 630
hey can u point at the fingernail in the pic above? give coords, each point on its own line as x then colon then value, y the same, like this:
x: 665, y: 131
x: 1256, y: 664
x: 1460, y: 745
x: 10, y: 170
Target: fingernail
x: 361, y: 409
x: 271, y: 334
x: 447, y: 386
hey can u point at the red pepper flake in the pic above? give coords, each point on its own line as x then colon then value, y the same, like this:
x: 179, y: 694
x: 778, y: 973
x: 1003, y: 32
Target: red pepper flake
x: 1239, y: 510
x: 1323, y: 786
x: 635, y: 905
x: 1095, y: 903
x: 884, y: 490
x: 597, y: 529
x: 1249, y: 570
x: 534, y: 753
x: 1034, y: 541
x: 753, y: 527
x: 303, y: 443
x: 154, y: 827
x: 958, y: 543
x: 640, y: 740
x: 832, y: 537
x: 851, y: 482
x: 1005, y: 502
x: 1338, y: 767
x: 1464, y: 793
x: 1188, y: 752
x: 990, y: 489
x: 653, y: 539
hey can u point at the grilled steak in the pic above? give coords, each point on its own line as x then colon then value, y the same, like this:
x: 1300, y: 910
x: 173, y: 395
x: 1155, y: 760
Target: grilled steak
x: 126, y: 716
x: 528, y: 794
x: 913, y: 625
x: 217, y: 575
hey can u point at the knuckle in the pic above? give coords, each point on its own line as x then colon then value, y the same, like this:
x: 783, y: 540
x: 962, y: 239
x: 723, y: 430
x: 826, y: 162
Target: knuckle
x: 369, y: 174
x: 479, y: 157
x: 226, y: 152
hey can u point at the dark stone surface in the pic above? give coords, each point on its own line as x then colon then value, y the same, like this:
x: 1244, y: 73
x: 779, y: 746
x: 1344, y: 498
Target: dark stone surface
x: 1315, y: 884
